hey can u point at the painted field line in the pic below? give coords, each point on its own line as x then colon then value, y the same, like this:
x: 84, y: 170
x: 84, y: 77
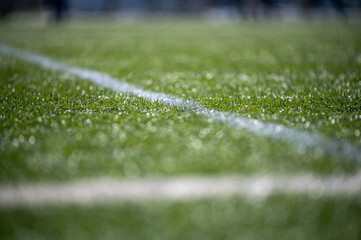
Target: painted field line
x: 301, y: 138
x: 105, y: 190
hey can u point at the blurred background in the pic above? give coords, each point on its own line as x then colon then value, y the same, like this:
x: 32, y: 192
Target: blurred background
x: 218, y: 9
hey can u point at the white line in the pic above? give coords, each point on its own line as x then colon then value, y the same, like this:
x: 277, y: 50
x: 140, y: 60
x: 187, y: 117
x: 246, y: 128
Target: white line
x: 177, y: 189
x: 343, y: 149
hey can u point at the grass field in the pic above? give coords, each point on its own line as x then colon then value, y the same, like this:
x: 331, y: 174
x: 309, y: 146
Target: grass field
x: 55, y: 127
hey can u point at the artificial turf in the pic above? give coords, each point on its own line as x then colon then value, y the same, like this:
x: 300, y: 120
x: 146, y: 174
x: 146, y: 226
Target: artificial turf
x: 301, y: 75
x: 278, y: 217
x: 56, y: 127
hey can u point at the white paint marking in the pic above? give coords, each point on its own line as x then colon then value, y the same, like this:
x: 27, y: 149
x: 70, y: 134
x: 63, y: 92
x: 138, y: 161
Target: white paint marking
x: 304, y: 139
x: 105, y: 190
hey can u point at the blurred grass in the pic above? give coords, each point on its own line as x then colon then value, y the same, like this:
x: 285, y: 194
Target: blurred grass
x: 55, y: 127
x: 303, y: 75
x: 277, y: 217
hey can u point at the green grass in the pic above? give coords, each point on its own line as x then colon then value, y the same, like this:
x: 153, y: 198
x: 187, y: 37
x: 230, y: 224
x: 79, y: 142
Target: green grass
x: 56, y: 127
x: 278, y: 217
x: 250, y: 67
x: 81, y: 130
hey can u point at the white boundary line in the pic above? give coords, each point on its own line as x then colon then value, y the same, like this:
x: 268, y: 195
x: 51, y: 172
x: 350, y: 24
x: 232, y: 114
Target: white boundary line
x: 310, y: 140
x: 104, y: 190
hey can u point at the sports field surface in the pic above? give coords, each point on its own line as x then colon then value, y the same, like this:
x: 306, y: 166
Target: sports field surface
x: 180, y: 129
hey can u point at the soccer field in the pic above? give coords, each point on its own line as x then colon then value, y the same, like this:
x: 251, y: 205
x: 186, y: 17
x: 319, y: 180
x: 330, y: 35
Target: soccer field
x: 61, y: 122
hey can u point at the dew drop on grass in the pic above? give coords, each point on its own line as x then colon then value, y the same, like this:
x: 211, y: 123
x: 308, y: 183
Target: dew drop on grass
x: 357, y: 133
x: 122, y: 136
x: 209, y: 76
x: 219, y: 134
x: 203, y: 132
x: 32, y: 140
x: 197, y: 144
x: 15, y: 142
